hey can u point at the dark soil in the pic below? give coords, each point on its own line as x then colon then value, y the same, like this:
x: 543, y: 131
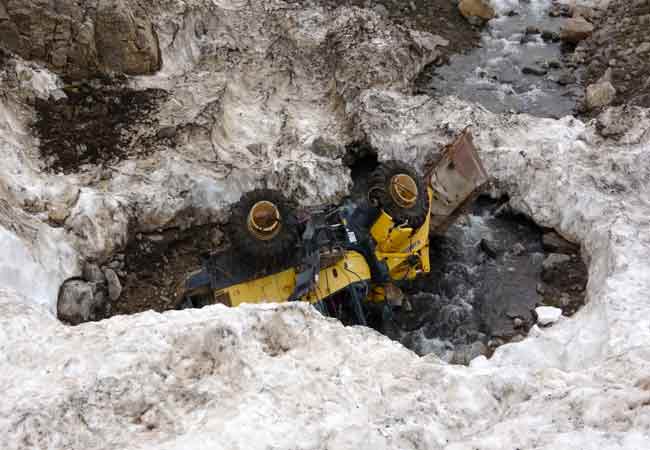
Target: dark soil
x: 620, y: 32
x: 92, y: 125
x: 155, y: 265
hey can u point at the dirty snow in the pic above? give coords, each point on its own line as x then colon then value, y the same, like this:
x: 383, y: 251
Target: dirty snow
x: 283, y: 377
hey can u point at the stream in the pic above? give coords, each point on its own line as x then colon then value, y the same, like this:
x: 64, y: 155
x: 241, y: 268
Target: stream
x: 519, y: 66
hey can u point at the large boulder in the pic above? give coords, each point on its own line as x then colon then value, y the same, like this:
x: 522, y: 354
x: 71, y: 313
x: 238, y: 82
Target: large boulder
x: 81, y: 39
x: 575, y: 30
x: 78, y: 302
x: 136, y: 49
x: 599, y: 94
x: 476, y: 9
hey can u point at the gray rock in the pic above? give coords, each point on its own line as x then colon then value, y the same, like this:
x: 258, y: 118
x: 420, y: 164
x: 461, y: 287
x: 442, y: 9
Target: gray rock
x: 599, y: 95
x: 92, y: 273
x: 114, y: 285
x: 77, y: 303
x: 534, y: 71
x: 488, y: 247
x: 550, y: 36
x: 554, y: 64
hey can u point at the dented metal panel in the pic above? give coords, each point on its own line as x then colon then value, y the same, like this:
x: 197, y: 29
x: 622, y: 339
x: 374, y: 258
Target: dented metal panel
x: 455, y: 180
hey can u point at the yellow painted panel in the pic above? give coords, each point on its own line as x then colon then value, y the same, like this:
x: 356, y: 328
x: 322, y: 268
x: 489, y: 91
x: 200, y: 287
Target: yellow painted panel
x: 277, y: 288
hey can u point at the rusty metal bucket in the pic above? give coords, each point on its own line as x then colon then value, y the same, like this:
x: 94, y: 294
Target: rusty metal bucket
x: 456, y: 180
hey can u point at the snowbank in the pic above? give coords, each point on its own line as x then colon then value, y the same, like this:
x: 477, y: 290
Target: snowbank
x: 281, y: 376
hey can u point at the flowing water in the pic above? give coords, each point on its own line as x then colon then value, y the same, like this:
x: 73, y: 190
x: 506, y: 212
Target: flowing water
x: 512, y: 70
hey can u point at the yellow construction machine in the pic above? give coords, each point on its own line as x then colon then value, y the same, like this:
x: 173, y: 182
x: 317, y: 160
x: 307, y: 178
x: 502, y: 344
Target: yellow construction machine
x: 345, y: 260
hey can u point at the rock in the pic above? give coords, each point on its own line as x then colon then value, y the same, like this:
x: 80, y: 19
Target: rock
x: 554, y: 64
x: 575, y: 30
x: 518, y: 322
x: 92, y: 273
x: 547, y: 315
x: 82, y: 39
x: 643, y: 48
x: 488, y: 248
x: 518, y: 249
x: 554, y: 260
x: 599, y: 95
x: 550, y: 36
x: 534, y: 71
x: 58, y: 214
x: 480, y: 9
x: 114, y: 285
x: 77, y: 303
x: 531, y: 29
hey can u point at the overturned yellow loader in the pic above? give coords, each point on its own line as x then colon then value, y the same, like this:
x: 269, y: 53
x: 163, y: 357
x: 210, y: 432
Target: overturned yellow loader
x: 344, y: 258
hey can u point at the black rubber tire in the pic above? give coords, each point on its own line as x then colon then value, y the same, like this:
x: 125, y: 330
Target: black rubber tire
x: 276, y: 252
x: 379, y: 195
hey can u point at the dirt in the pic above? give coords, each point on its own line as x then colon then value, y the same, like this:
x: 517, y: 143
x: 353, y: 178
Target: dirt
x: 92, y: 123
x: 155, y: 265
x: 439, y: 17
x: 617, y: 43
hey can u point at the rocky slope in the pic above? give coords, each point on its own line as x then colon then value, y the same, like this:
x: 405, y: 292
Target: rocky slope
x: 248, y: 89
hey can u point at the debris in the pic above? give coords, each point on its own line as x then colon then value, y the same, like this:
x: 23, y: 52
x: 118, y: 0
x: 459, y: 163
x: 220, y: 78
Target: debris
x: 547, y: 315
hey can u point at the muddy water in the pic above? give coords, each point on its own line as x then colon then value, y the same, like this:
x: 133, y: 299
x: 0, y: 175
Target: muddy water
x: 512, y: 70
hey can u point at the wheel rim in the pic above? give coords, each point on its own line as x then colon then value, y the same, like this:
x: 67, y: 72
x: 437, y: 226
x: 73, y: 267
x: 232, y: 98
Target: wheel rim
x: 404, y: 190
x: 264, y: 220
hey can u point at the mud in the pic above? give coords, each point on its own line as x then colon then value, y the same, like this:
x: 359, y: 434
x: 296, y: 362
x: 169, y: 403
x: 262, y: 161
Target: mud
x: 91, y: 124
x: 155, y: 265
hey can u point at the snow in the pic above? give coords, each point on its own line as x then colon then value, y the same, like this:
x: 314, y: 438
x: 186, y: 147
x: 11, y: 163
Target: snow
x: 282, y: 377
x: 547, y: 315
